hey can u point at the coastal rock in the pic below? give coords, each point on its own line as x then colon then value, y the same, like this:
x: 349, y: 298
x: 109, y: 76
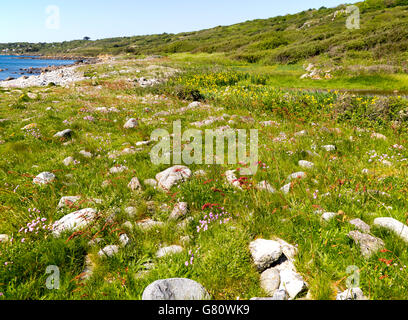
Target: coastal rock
x: 169, y: 177
x: 265, y: 252
x: 44, y: 178
x: 74, y: 221
x: 162, y: 252
x: 175, y: 289
x: 391, y: 224
x: 368, y: 244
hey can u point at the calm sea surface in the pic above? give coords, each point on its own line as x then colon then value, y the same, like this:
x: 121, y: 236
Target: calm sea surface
x: 12, y: 65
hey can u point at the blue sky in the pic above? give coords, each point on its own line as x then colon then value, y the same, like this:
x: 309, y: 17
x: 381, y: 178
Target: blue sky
x: 26, y: 20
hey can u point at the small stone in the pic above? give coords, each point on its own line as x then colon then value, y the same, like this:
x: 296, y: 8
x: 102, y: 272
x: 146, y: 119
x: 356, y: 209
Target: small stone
x: 127, y: 225
x: 74, y: 221
x: 351, y: 294
x: 378, y: 136
x: 68, y: 161
x: 264, y: 185
x: 44, y: 178
x: 108, y: 251
x: 306, y: 164
x: 200, y: 173
x: 168, y: 251
x: 365, y: 171
x: 131, y: 123
x: 169, y: 177
x: 368, y: 244
x: 149, y: 224
x: 329, y: 147
x: 292, y: 282
x: 286, y: 188
x: 400, y: 229
x: 124, y: 239
x: 180, y: 210
x: 175, y: 289
x: 85, y: 154
x: 63, y: 134
x: 150, y: 182
x: 270, y: 281
x: 134, y: 184
x: 131, y: 211
x: 360, y: 225
x: 297, y: 175
x: 265, y: 253
x: 232, y: 178
x: 4, y: 238
x: 68, y: 201
x: 117, y: 169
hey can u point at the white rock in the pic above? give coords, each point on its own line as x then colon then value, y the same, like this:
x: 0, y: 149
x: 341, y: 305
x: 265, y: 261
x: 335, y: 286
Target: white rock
x: 265, y: 252
x: 63, y: 134
x: 74, y: 221
x: 288, y: 250
x: 297, y: 175
x: 44, y: 178
x: 270, y: 281
x: 117, y: 169
x: 200, y: 173
x: 108, y: 251
x: 68, y: 161
x: 175, y: 289
x: 378, y: 136
x: 360, y: 224
x: 4, y: 238
x: 124, y: 239
x: 306, y: 164
x: 292, y: 282
x: 162, y: 252
x: 180, y: 210
x: 286, y: 188
x: 329, y: 147
x: 393, y: 225
x: 134, y: 184
x: 169, y: 177
x: 149, y: 224
x: 131, y: 123
x: 264, y: 185
x: 328, y: 215
x: 351, y: 294
x: 85, y: 154
x: 68, y: 201
x: 232, y: 178
x: 131, y: 211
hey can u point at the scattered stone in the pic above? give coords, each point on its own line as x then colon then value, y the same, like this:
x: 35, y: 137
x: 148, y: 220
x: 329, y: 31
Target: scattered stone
x: 4, y: 238
x: 149, y: 224
x: 131, y: 211
x: 68, y: 161
x: 175, y: 289
x: 124, y: 239
x: 328, y: 215
x: 180, y: 210
x: 286, y: 188
x: 85, y: 154
x: 68, y: 201
x: 162, y: 252
x: 44, y: 178
x: 63, y: 134
x: 108, y: 251
x: 265, y: 252
x: 329, y: 147
x: 232, y: 178
x: 351, y: 294
x: 264, y: 185
x: 169, y: 177
x: 306, y: 164
x: 368, y: 244
x: 118, y: 169
x: 74, y: 221
x: 150, y: 182
x: 131, y: 123
x: 270, y: 281
x: 300, y: 133
x: 200, y: 173
x: 360, y: 225
x: 127, y: 225
x: 297, y: 175
x: 378, y: 136
x: 288, y: 250
x: 134, y: 184
x: 393, y: 225
x: 292, y: 282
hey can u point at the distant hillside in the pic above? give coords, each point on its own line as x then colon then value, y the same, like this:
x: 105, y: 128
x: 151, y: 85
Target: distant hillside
x: 321, y: 33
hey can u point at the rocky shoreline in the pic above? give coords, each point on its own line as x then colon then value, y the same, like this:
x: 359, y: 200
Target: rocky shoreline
x: 57, y: 75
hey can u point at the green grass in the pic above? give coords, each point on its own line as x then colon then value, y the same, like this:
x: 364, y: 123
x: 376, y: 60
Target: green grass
x: 223, y: 262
